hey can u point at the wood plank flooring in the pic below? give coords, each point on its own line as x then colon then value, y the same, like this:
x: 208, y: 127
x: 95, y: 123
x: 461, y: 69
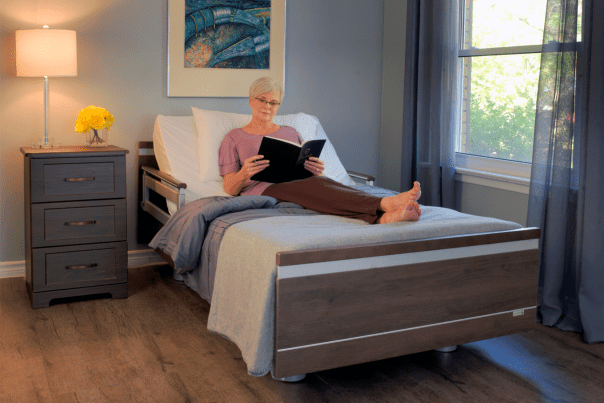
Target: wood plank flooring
x: 155, y: 347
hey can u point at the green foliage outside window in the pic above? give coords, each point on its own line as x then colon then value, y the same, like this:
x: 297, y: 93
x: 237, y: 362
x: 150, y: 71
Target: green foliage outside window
x: 502, y: 107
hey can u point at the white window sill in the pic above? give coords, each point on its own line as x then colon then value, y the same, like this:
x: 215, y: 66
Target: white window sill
x: 498, y: 174
x: 493, y: 180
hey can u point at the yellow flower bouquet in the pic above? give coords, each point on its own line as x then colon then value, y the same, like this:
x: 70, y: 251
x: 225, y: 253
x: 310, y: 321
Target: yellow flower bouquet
x: 95, y: 121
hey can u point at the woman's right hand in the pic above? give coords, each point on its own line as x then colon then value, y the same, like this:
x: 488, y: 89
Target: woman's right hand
x: 235, y: 181
x: 253, y: 165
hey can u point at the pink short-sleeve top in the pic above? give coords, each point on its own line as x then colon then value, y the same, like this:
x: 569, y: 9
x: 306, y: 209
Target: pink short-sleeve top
x: 238, y: 146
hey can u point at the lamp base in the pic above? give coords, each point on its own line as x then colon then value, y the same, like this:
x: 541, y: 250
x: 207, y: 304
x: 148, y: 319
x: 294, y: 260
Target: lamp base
x: 43, y: 142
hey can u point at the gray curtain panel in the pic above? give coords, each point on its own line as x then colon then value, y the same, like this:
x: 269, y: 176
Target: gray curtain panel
x: 430, y: 100
x: 567, y: 194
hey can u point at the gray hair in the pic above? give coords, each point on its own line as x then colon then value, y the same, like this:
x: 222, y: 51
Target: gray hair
x: 264, y: 85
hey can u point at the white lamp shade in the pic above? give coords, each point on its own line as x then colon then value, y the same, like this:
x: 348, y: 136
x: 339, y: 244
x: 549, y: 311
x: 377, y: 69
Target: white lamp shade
x: 46, y: 52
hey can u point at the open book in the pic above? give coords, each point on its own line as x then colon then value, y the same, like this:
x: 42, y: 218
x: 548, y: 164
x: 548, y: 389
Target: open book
x: 286, y: 159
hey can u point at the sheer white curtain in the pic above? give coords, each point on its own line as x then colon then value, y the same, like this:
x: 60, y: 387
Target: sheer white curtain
x: 567, y: 194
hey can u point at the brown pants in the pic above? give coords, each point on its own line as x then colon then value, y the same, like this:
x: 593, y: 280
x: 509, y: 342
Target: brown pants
x: 327, y: 196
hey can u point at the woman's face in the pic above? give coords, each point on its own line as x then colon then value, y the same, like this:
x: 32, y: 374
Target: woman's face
x: 265, y: 106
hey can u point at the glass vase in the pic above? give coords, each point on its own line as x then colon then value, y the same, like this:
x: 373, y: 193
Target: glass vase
x: 97, y: 137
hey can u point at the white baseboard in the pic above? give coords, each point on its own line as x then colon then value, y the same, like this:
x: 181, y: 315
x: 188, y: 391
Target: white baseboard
x: 135, y: 258
x: 12, y: 269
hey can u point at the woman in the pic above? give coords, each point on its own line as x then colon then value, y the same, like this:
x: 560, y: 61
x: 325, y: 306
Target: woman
x: 238, y: 162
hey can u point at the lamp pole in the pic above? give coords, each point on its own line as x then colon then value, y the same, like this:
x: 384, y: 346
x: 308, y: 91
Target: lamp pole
x: 45, y: 112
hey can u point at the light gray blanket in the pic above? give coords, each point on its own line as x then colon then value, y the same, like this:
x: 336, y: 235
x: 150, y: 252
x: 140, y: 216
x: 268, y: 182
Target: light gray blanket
x: 192, y: 236
x: 183, y: 235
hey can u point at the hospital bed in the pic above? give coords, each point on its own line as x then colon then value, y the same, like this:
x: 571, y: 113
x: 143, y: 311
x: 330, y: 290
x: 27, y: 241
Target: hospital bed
x: 346, y: 292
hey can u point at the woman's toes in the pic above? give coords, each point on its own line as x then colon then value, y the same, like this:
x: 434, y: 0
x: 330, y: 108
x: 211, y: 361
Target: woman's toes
x: 418, y: 190
x: 410, y: 213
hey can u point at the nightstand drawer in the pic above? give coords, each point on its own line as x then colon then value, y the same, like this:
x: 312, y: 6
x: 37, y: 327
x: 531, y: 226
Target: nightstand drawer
x: 85, y: 266
x: 60, y: 179
x: 71, y: 223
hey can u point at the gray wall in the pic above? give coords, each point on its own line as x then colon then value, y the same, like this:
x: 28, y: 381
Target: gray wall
x: 333, y: 70
x: 490, y: 202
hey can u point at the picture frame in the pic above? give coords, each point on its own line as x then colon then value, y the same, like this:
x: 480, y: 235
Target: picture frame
x: 212, y: 81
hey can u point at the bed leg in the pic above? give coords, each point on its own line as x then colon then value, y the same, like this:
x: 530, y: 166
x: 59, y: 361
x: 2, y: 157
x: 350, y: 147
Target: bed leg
x: 449, y: 349
x: 178, y: 277
x: 294, y: 378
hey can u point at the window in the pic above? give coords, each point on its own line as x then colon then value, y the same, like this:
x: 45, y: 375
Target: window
x: 499, y: 66
x: 500, y: 55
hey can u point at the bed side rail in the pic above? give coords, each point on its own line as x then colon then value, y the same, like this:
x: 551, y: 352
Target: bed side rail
x: 155, y: 188
x: 367, y: 178
x: 168, y: 179
x: 164, y: 185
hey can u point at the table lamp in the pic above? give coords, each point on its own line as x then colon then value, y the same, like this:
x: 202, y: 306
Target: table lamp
x: 46, y: 53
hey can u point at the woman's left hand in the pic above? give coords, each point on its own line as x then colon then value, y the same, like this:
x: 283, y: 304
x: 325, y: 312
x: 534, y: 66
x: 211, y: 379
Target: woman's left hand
x: 314, y: 165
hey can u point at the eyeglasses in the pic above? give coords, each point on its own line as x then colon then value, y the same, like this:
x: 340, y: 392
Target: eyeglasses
x: 271, y: 104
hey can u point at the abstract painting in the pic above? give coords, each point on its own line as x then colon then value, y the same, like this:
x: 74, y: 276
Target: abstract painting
x: 227, y: 34
x: 218, y: 47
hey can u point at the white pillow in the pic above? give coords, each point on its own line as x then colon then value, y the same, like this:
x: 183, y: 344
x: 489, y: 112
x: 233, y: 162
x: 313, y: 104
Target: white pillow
x: 309, y: 128
x: 212, y: 126
x: 175, y: 146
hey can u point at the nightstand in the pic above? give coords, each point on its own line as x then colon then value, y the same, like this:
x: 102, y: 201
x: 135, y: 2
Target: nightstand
x: 75, y: 222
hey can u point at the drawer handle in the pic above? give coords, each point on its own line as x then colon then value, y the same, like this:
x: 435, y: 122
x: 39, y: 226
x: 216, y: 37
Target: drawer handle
x: 81, y: 222
x: 82, y: 266
x: 91, y: 178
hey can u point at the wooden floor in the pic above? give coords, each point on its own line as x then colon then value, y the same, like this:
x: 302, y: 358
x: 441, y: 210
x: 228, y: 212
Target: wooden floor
x: 155, y: 347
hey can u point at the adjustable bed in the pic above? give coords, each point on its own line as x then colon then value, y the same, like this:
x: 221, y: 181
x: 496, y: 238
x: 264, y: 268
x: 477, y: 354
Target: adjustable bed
x: 301, y: 292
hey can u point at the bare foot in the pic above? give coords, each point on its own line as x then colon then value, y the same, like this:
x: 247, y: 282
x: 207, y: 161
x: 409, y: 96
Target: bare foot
x: 411, y: 212
x: 393, y: 203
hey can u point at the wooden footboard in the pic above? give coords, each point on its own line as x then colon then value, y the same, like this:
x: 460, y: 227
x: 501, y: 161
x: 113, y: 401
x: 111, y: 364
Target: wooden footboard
x: 401, y: 298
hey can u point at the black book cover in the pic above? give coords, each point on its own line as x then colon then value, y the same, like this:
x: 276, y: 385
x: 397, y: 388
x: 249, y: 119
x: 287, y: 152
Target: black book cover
x: 286, y: 159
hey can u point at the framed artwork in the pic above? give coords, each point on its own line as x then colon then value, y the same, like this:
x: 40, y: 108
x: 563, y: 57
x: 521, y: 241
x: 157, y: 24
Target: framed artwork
x: 217, y: 48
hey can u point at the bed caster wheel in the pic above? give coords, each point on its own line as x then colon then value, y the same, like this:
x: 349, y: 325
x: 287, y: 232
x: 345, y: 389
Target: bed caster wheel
x: 294, y: 378
x: 449, y: 349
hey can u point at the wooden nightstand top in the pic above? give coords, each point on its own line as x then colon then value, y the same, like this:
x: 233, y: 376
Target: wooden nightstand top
x: 72, y: 151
